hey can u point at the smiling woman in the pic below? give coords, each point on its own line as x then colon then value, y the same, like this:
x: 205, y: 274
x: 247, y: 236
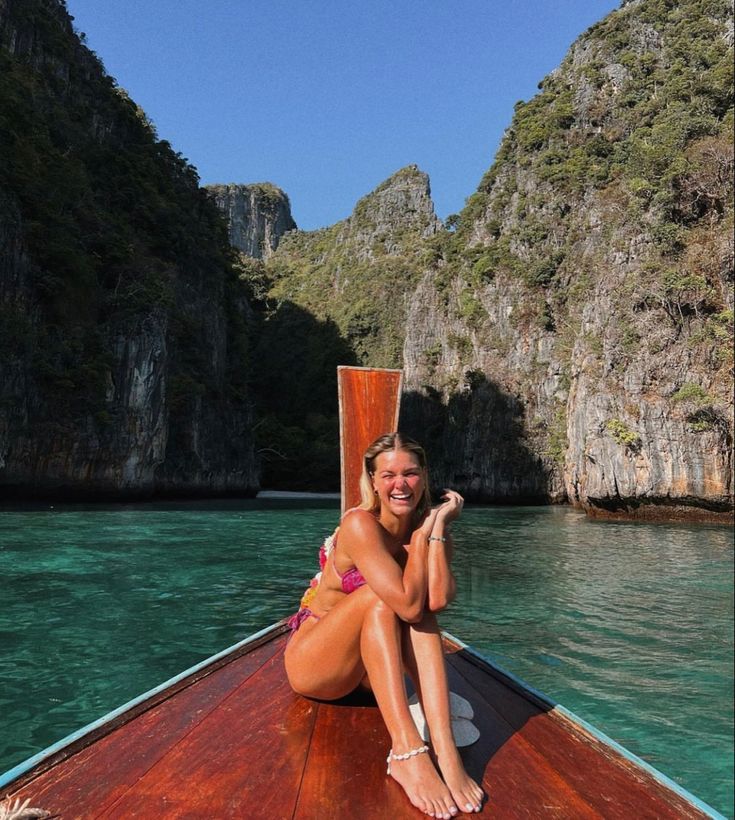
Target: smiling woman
x: 400, y: 477
x: 370, y: 616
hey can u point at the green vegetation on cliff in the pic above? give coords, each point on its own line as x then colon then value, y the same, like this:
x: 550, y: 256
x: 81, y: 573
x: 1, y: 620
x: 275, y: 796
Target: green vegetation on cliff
x: 357, y: 272
x: 325, y: 298
x: 602, y: 234
x: 114, y: 235
x: 641, y: 108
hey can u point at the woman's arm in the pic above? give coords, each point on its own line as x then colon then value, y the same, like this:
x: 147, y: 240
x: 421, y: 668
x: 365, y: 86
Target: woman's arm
x: 442, y: 586
x: 403, y: 590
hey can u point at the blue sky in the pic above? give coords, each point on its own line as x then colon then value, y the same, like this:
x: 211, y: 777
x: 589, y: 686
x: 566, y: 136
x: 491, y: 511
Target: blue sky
x: 327, y: 99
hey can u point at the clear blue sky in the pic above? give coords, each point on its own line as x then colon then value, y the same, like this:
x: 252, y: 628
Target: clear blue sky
x: 326, y: 99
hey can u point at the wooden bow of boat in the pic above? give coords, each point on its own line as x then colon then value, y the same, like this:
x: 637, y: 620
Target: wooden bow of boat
x: 229, y: 738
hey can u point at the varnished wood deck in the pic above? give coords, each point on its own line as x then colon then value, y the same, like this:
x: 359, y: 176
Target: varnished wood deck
x: 231, y: 740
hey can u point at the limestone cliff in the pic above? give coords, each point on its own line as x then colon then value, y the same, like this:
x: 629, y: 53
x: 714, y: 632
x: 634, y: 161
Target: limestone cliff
x: 570, y: 335
x: 581, y: 314
x: 325, y: 298
x: 123, y: 352
x: 358, y: 272
x: 257, y: 215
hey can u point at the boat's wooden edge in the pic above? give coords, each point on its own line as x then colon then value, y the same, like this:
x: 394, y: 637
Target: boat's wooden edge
x: 573, y: 724
x: 84, y: 737
x: 537, y: 698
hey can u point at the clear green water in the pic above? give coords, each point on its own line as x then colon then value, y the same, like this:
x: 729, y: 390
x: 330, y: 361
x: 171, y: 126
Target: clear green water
x: 630, y: 626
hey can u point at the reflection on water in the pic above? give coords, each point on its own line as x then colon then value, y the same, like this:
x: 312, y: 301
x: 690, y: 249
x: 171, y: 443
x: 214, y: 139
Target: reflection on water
x: 628, y: 625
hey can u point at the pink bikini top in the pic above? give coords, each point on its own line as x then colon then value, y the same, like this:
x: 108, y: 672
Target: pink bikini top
x: 350, y: 580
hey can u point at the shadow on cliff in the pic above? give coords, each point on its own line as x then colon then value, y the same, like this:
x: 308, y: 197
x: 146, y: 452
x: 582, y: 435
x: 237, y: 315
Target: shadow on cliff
x: 294, y: 364
x: 476, y: 443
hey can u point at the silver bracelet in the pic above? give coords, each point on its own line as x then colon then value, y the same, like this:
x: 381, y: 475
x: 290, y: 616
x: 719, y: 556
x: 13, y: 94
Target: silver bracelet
x: 437, y: 538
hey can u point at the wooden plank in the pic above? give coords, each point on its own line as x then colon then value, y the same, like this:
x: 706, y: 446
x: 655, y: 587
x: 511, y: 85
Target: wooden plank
x: 516, y: 778
x: 85, y: 783
x: 369, y: 401
x: 345, y: 771
x: 88, y: 735
x: 590, y: 769
x: 245, y: 759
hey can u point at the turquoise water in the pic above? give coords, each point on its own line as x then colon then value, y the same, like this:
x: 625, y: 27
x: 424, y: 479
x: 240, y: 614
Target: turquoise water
x: 628, y: 625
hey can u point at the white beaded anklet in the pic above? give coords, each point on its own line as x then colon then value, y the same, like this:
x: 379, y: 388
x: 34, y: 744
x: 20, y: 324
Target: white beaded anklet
x: 405, y: 755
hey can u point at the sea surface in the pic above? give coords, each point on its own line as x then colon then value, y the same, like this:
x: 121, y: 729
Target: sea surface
x: 630, y: 626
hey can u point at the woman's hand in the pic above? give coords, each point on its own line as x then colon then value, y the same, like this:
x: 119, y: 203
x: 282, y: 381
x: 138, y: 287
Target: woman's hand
x: 451, y: 508
x: 428, y: 523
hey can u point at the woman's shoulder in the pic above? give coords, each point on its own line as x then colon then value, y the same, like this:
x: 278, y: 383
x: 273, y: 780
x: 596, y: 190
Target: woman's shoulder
x: 358, y: 520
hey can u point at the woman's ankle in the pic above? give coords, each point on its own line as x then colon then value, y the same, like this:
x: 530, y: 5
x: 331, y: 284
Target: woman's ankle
x: 401, y: 743
x: 445, y: 748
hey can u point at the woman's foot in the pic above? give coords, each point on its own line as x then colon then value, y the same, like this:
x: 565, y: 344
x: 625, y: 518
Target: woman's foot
x: 466, y: 793
x: 424, y: 788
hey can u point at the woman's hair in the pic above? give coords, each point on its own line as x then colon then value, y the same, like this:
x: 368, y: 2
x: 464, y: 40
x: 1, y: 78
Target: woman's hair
x: 392, y: 441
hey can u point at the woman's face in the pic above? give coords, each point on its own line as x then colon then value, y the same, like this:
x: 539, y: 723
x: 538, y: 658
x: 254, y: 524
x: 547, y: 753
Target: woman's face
x: 399, y: 481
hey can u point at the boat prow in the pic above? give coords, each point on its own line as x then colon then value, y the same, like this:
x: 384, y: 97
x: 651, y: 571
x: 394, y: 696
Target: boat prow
x: 230, y: 739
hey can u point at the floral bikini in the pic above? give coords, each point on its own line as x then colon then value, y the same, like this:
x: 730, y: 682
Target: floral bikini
x: 349, y: 581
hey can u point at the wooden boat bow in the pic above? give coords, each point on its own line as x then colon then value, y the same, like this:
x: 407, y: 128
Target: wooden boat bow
x: 229, y: 739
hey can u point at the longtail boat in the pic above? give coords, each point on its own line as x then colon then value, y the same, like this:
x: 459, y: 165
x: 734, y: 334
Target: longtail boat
x: 228, y: 738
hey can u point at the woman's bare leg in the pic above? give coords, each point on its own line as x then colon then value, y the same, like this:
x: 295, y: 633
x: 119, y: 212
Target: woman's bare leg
x: 328, y: 658
x: 381, y: 651
x: 424, y: 658
x: 323, y: 657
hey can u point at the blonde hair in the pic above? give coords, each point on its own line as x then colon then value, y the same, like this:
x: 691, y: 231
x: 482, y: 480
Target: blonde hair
x: 392, y: 441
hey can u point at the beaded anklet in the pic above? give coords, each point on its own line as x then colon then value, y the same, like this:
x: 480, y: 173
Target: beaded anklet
x: 405, y: 756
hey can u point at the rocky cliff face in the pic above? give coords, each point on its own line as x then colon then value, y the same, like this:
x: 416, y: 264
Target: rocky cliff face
x: 325, y: 298
x: 571, y: 336
x: 123, y: 367
x: 358, y: 272
x: 257, y: 215
x: 582, y: 312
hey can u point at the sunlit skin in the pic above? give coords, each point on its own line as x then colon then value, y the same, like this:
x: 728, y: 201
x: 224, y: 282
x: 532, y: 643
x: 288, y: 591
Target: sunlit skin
x: 386, y: 628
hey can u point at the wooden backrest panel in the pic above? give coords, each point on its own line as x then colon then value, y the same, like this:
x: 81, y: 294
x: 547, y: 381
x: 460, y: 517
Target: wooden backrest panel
x: 369, y: 401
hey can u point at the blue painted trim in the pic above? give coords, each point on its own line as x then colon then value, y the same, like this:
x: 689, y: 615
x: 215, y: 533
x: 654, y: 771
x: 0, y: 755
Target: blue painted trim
x: 595, y: 732
x: 26, y: 765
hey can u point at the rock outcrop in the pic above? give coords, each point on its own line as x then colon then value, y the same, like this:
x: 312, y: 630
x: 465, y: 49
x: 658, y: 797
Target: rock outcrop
x: 588, y: 287
x: 325, y: 298
x: 257, y: 215
x: 570, y: 336
x: 357, y: 272
x: 122, y: 329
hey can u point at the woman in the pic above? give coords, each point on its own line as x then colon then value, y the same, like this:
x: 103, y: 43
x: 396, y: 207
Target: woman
x: 369, y: 617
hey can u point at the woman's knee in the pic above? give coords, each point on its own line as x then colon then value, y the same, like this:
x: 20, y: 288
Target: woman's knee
x: 379, y: 616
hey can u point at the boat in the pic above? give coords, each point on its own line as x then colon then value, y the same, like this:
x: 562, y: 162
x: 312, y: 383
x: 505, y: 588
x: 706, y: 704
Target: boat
x: 228, y: 738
